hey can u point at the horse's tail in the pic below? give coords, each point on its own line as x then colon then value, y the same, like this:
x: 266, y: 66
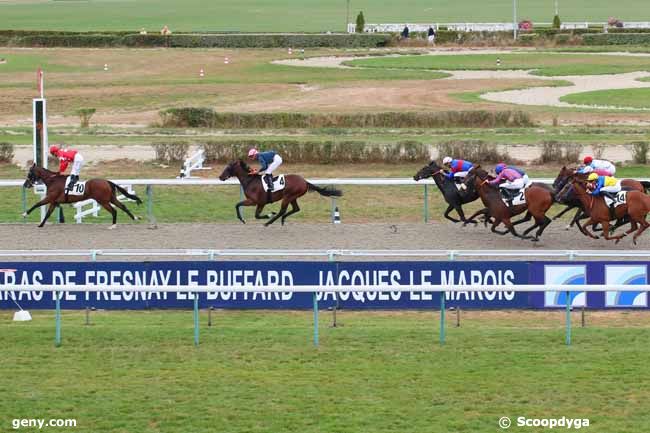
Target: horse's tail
x: 327, y: 191
x: 646, y: 186
x: 125, y: 192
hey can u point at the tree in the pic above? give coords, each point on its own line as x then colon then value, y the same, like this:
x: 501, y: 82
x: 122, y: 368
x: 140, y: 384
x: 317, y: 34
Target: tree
x: 361, y: 23
x: 556, y: 22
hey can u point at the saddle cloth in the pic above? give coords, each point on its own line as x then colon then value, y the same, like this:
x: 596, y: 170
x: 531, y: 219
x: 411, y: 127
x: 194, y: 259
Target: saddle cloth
x: 621, y: 198
x: 278, y: 183
x: 519, y: 197
x: 79, y: 188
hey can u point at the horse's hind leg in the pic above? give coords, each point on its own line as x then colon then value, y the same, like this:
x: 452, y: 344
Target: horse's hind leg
x: 121, y: 205
x: 111, y: 209
x: 542, y: 226
x: 459, y: 210
x: 294, y: 208
x: 526, y: 218
x: 283, y: 210
x: 644, y: 226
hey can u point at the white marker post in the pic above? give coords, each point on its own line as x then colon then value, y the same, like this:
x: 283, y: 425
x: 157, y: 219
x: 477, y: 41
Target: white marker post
x: 39, y: 111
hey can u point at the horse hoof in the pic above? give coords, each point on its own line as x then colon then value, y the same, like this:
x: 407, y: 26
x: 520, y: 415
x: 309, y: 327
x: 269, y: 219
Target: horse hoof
x: 24, y: 214
x: 534, y: 240
x: 568, y: 227
x: 112, y: 226
x: 136, y: 218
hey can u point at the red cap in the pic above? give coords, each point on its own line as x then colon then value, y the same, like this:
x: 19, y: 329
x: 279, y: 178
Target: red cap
x: 588, y: 160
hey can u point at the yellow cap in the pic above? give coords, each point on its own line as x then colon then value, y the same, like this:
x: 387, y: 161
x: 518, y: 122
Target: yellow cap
x: 593, y: 176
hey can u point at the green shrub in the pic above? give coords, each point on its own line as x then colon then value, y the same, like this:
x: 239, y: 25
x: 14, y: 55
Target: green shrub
x: 193, y: 40
x: 84, y: 116
x: 556, y: 22
x: 361, y: 23
x: 207, y: 118
x: 6, y: 152
x: 640, y: 152
x: 563, y: 153
x: 171, y: 152
x: 477, y: 151
x: 615, y: 38
x: 323, y: 152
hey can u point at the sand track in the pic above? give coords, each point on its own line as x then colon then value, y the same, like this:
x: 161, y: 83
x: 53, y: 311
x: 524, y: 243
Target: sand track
x: 442, y: 236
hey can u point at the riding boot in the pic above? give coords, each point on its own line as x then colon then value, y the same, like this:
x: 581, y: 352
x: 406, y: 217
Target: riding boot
x: 269, y: 183
x: 73, y: 179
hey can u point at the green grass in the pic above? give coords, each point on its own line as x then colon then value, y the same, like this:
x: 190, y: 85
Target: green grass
x: 31, y: 62
x: 627, y: 98
x: 288, y: 16
x: 380, y: 372
x: 544, y: 64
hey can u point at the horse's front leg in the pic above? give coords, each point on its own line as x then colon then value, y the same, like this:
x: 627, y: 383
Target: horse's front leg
x: 247, y: 202
x: 606, y: 233
x: 258, y: 214
x: 46, y: 200
x: 47, y: 215
x: 585, y: 230
x: 449, y: 209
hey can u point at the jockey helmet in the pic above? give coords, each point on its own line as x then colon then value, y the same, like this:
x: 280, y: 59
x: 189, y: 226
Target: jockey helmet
x: 446, y: 160
x: 588, y: 160
x: 54, y: 149
x: 499, y: 168
x: 252, y: 153
x: 592, y: 177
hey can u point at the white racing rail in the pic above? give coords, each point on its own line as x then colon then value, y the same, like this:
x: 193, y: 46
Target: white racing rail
x: 94, y: 207
x: 150, y: 183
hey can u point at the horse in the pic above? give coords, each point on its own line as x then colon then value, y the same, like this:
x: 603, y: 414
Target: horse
x: 454, y: 198
x: 295, y: 187
x: 562, y: 179
x: 101, y: 190
x: 636, y: 208
x: 539, y: 199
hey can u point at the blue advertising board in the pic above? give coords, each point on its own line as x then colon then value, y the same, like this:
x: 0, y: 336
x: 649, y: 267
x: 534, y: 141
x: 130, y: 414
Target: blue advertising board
x: 323, y: 274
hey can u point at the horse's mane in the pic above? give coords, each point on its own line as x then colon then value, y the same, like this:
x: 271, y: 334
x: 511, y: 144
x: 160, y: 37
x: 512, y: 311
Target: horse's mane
x: 48, y: 172
x: 244, y: 165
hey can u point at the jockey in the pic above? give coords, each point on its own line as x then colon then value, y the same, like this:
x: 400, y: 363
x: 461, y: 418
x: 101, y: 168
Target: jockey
x: 67, y: 156
x: 458, y: 168
x: 598, y: 166
x: 605, y: 184
x: 269, y: 162
x: 514, y: 181
x: 500, y: 166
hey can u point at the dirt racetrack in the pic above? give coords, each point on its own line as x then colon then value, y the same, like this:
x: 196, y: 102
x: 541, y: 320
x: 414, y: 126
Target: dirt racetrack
x: 439, y: 236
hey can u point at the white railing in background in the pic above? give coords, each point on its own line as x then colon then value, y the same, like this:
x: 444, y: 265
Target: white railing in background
x: 484, y: 27
x: 194, y: 162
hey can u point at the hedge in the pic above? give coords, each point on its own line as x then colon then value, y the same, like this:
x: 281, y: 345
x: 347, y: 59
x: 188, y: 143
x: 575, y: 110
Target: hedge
x: 207, y: 118
x: 617, y: 39
x: 195, y: 40
x: 323, y: 152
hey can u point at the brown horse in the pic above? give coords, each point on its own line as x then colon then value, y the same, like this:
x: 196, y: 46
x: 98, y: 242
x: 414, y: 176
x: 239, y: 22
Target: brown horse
x: 101, y: 190
x: 539, y: 199
x: 636, y: 208
x: 295, y: 187
x: 566, y: 174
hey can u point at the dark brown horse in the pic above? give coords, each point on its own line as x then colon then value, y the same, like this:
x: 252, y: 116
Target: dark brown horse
x: 636, y: 209
x: 539, y: 199
x: 295, y: 187
x: 454, y: 198
x: 563, y: 178
x: 101, y: 190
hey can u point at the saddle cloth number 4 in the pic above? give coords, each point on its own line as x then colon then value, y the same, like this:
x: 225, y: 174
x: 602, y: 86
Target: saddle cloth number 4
x: 278, y: 183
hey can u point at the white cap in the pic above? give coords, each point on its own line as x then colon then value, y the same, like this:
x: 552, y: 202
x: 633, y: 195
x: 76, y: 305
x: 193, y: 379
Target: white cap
x: 446, y: 160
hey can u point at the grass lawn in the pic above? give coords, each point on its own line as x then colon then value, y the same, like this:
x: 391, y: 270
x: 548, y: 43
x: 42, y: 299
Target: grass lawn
x: 628, y: 98
x: 381, y: 372
x: 544, y: 64
x: 289, y: 16
x: 216, y: 204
